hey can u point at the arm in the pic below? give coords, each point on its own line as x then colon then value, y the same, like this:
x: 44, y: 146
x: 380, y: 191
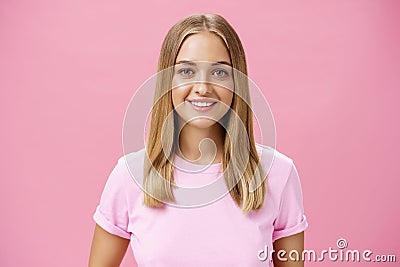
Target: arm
x: 289, y: 243
x: 107, y: 250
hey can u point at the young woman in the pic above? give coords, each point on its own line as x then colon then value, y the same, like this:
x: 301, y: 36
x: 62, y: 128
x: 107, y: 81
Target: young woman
x: 201, y: 130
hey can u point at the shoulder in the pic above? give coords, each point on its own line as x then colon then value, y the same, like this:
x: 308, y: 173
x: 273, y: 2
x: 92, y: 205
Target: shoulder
x: 128, y: 171
x: 133, y: 158
x: 272, y: 158
x: 130, y: 167
x: 277, y: 166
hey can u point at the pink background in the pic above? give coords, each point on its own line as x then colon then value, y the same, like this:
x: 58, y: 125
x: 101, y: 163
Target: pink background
x: 68, y: 69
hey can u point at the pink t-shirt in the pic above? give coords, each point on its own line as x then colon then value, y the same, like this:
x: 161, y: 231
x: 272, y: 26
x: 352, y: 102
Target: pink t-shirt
x: 217, y: 234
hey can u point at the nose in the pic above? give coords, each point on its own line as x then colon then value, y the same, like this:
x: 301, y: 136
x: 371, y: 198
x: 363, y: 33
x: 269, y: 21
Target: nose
x: 202, y: 88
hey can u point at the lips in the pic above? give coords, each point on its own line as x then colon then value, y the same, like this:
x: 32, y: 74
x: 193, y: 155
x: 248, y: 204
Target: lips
x: 202, y: 105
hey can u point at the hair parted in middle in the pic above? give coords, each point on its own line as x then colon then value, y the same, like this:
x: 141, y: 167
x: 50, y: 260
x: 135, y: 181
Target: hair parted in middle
x: 242, y: 171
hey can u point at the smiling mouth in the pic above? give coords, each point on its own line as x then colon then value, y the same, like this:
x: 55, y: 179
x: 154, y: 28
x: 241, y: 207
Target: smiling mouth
x: 201, y: 106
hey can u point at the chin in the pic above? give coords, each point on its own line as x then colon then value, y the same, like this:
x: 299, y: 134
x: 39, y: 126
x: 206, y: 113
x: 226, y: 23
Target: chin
x: 202, y: 123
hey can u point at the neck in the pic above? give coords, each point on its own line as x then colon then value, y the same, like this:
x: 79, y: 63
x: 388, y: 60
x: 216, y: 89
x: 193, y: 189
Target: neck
x: 202, y: 146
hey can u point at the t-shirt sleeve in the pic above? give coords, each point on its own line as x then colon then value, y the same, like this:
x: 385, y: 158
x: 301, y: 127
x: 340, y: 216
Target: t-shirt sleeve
x: 291, y: 219
x: 112, y: 212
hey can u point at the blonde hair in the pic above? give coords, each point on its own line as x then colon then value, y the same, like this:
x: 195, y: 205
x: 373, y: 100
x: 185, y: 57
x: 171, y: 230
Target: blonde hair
x: 158, y: 180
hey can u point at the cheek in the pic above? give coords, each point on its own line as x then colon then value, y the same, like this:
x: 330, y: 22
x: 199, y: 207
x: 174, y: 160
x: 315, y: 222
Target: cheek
x: 179, y: 94
x: 226, y: 97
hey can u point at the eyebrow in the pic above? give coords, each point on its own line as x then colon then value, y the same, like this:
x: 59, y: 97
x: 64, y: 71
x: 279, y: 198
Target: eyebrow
x: 193, y: 63
x: 221, y: 62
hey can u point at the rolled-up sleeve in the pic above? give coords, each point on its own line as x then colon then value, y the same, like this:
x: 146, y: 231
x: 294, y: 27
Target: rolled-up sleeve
x: 112, y: 212
x: 291, y: 218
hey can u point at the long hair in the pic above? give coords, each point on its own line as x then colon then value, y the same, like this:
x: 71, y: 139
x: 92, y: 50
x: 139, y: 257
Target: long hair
x: 242, y: 171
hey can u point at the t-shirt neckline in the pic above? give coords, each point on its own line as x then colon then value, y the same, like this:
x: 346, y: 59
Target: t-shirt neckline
x: 187, y: 166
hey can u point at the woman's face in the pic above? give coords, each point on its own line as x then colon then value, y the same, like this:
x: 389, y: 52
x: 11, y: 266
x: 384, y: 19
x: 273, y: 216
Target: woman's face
x: 202, y: 90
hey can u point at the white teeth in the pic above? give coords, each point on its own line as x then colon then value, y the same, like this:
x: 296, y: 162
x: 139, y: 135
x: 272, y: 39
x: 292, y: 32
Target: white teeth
x: 202, y: 104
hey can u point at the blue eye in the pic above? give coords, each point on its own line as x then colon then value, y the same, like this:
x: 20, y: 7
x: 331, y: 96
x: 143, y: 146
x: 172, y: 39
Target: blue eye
x: 220, y: 73
x: 186, y: 72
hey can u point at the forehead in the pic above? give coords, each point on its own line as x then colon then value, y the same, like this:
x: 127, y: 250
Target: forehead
x: 204, y: 46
